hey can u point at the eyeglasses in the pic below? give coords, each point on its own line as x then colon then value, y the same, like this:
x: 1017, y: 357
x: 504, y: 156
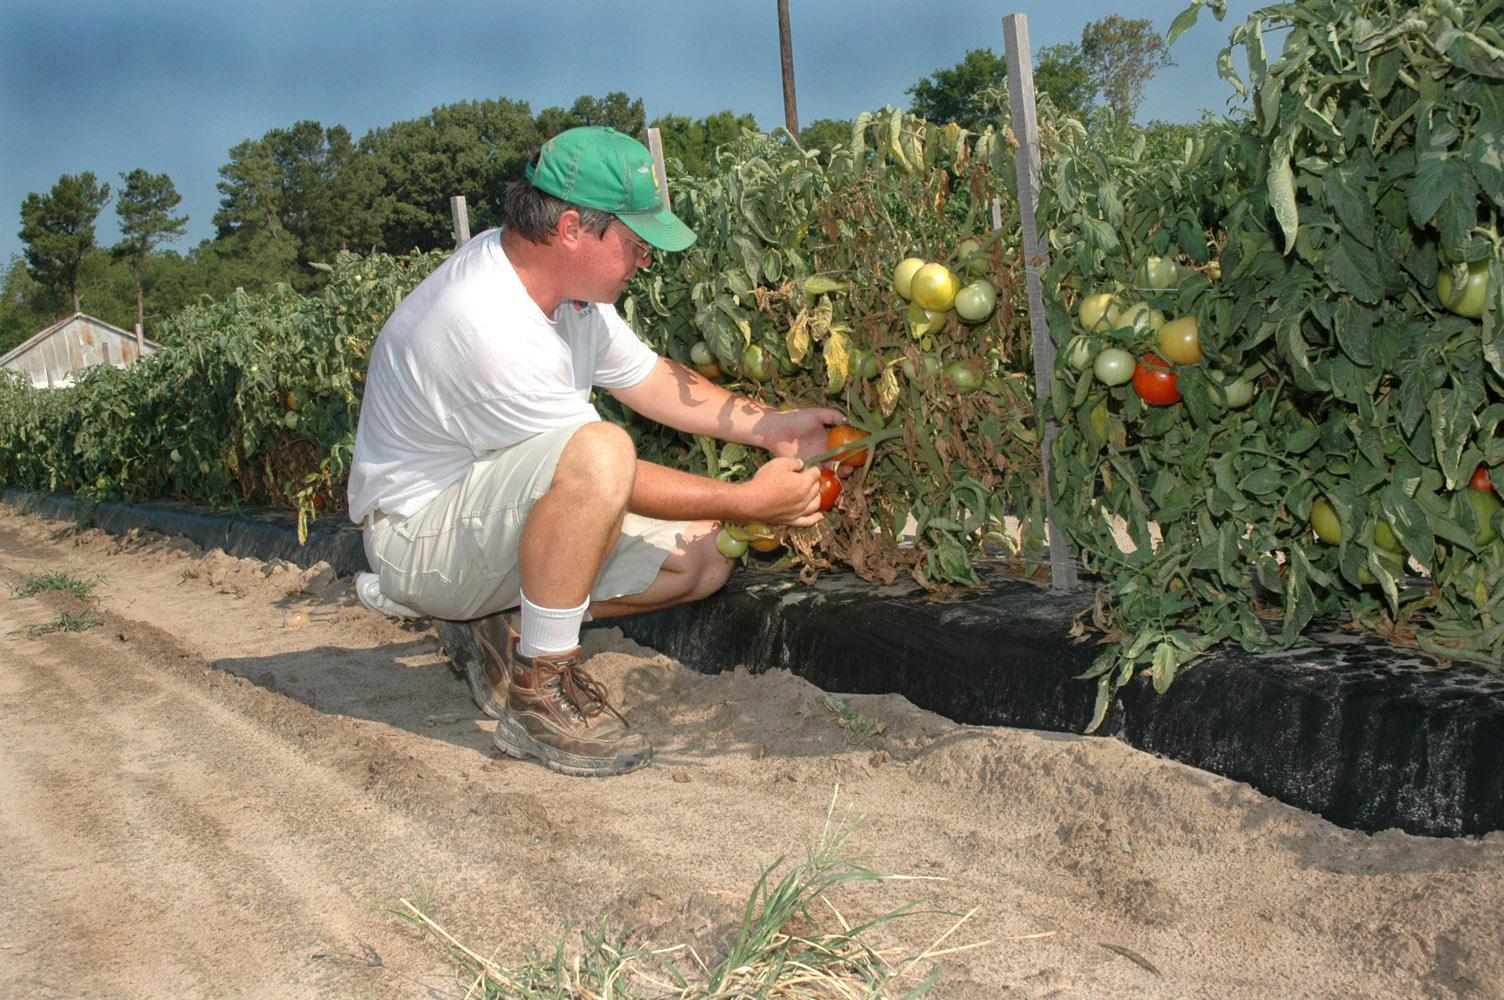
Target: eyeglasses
x: 643, y: 248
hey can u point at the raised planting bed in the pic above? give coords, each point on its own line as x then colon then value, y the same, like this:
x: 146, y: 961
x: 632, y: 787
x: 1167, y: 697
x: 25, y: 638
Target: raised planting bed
x: 1367, y: 734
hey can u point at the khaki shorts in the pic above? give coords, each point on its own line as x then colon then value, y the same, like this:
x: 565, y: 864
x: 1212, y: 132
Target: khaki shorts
x: 457, y: 557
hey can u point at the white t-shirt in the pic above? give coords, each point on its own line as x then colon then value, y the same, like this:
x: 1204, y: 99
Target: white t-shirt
x: 468, y: 364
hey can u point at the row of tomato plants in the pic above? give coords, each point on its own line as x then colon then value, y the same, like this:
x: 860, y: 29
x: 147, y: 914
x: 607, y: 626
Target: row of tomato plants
x: 1279, y: 381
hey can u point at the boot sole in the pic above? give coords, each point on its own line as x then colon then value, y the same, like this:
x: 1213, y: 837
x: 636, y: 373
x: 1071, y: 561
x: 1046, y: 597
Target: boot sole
x: 512, y: 740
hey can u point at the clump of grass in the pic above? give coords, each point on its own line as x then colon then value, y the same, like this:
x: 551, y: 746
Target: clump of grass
x: 40, y: 581
x: 792, y: 942
x: 860, y: 729
x: 68, y: 621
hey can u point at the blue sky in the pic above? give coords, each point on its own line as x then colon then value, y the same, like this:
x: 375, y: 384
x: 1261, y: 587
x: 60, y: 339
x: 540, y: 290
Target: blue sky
x: 171, y: 85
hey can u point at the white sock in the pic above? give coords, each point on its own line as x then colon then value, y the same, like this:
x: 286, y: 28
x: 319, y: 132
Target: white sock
x: 549, y: 630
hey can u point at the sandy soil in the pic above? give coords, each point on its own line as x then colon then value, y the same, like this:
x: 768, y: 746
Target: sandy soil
x: 224, y: 788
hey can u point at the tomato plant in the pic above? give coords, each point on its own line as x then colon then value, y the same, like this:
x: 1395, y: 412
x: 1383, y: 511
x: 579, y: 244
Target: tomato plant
x: 1154, y: 382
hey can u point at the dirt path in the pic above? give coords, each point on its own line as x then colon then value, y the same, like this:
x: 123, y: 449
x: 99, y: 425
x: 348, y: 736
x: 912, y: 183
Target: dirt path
x: 224, y: 787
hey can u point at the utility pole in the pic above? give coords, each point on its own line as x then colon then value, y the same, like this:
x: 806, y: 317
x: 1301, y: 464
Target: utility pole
x: 786, y: 50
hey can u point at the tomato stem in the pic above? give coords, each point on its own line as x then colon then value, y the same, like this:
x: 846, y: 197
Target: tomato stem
x: 856, y: 444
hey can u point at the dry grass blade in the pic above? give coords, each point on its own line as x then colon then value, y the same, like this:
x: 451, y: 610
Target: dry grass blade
x: 1131, y: 955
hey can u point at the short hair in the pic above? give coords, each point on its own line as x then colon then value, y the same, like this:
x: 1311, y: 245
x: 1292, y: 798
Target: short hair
x: 533, y: 214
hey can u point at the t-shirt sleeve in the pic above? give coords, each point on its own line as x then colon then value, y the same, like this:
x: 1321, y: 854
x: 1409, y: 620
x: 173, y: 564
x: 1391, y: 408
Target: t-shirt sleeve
x: 621, y: 358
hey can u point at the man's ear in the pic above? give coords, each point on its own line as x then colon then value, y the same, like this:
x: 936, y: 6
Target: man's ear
x: 568, y: 230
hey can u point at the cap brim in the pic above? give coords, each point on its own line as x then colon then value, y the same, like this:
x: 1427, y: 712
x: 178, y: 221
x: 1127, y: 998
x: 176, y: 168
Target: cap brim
x: 661, y: 228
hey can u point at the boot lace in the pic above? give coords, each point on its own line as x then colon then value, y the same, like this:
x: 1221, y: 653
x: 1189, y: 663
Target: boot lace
x: 584, y: 693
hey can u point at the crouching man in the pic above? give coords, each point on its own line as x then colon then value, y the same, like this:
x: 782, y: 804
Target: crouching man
x: 490, y: 490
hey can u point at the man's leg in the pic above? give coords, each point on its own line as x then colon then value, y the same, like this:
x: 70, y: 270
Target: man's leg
x: 693, y: 571
x: 556, y: 712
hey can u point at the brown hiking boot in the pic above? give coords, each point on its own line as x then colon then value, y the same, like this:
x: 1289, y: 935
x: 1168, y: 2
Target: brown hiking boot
x: 488, y: 674
x: 558, y: 714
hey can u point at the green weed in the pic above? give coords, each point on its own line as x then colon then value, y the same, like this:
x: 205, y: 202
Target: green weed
x: 41, y: 581
x: 792, y: 942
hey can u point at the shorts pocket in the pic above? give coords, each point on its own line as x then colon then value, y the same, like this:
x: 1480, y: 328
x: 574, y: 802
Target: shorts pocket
x: 492, y: 538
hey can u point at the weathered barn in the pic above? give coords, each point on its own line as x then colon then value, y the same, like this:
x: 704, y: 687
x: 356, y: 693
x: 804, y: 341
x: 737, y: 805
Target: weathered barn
x: 55, y: 357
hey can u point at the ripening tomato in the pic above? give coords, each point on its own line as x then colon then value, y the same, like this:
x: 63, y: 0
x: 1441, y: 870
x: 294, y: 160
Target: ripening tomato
x: 843, y: 434
x: 770, y: 543
x: 1154, y: 382
x: 1180, y: 340
x: 934, y: 286
x: 1480, y: 480
x: 924, y: 321
x: 830, y: 489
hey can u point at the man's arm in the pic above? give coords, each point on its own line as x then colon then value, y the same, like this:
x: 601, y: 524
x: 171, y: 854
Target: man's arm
x: 681, y: 398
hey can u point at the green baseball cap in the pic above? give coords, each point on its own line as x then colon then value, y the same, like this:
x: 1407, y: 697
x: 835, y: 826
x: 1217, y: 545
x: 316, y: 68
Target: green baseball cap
x: 599, y: 167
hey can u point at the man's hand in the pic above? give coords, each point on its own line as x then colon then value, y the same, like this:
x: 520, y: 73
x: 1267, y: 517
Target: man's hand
x: 784, y: 492
x: 798, y: 433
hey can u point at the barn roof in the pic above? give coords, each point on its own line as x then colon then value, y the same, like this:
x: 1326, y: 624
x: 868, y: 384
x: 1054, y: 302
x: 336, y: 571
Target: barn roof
x: 63, y: 368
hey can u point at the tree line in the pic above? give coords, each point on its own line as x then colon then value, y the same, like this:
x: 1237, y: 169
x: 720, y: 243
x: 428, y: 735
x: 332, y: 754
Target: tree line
x: 297, y: 196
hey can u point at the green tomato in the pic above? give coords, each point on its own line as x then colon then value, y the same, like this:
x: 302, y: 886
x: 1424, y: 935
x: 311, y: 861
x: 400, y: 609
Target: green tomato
x: 864, y: 363
x: 1324, y: 519
x: 1093, y: 311
x: 1469, y: 299
x: 700, y: 353
x: 1485, y: 506
x: 976, y: 301
x: 1160, y: 274
x: 903, y: 276
x: 755, y: 363
x: 966, y: 379
x: 729, y: 545
x: 1385, y: 538
x: 1113, y: 366
x: 1137, y: 317
x: 1239, y: 393
x: 1078, y: 353
x: 929, y: 362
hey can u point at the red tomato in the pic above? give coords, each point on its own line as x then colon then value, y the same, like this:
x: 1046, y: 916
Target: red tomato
x: 1481, y: 481
x: 830, y: 489
x: 1154, y: 382
x: 841, y: 434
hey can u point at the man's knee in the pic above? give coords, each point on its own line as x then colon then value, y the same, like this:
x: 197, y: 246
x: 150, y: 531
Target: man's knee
x: 709, y: 569
x: 600, y: 456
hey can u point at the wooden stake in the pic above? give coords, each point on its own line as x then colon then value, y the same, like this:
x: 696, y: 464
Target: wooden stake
x: 461, y: 217
x: 1036, y: 260
x: 655, y: 146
